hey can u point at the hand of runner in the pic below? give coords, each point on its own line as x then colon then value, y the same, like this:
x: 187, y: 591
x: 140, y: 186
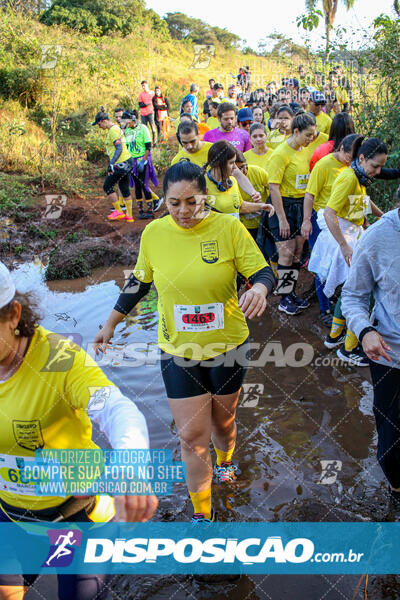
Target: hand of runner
x: 253, y: 302
x: 135, y: 508
x: 110, y: 168
x: 306, y: 229
x: 284, y: 228
x: 347, y: 252
x: 374, y: 346
x: 256, y: 197
x: 102, y: 338
x: 269, y: 208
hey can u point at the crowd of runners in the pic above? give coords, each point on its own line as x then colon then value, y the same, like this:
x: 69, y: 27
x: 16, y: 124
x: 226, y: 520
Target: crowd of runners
x: 265, y: 184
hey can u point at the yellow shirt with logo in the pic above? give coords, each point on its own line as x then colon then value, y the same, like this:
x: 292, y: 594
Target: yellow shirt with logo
x: 259, y: 179
x: 229, y: 201
x: 323, y: 122
x: 113, y: 134
x: 290, y: 169
x: 198, y: 158
x: 260, y: 160
x: 212, y: 122
x: 320, y: 139
x: 322, y: 178
x: 347, y: 196
x: 199, y: 316
x: 275, y: 138
x: 44, y: 405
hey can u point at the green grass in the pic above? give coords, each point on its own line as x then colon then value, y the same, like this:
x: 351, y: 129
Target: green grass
x: 15, y: 195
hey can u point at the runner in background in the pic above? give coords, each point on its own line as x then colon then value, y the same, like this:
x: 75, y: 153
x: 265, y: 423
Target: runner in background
x: 193, y: 149
x: 283, y: 127
x: 161, y: 114
x: 192, y: 97
x: 259, y: 179
x: 316, y: 102
x: 227, y: 130
x: 259, y: 154
x: 342, y: 125
x: 118, y: 115
x: 200, y: 317
x: 147, y: 109
x: 340, y: 92
x: 212, y: 120
x: 245, y: 119
x: 119, y: 167
x: 258, y: 115
x: 209, y: 92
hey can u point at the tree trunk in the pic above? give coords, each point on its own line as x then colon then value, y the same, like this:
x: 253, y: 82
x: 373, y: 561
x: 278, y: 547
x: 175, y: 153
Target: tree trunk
x: 328, y: 36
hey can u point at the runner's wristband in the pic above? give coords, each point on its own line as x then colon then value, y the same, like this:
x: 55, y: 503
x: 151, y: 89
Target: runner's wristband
x: 266, y: 277
x: 364, y: 332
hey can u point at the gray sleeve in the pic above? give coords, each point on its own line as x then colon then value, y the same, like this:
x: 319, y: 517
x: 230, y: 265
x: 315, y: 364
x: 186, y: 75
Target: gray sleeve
x: 357, y: 290
x: 117, y: 153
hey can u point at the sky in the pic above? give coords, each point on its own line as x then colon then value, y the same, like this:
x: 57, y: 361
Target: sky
x: 237, y: 17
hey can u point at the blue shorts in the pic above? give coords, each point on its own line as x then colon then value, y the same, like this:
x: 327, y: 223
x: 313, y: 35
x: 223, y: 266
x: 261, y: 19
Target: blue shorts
x: 220, y: 376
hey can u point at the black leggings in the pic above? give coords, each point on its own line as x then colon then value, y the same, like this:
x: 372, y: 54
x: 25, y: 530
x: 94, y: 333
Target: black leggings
x: 138, y: 181
x: 386, y: 382
x: 117, y: 177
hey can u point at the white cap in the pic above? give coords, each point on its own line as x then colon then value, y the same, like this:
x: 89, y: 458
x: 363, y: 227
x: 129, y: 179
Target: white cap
x: 7, y: 287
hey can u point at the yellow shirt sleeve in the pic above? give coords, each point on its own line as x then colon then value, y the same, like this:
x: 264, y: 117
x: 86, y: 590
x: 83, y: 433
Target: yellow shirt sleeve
x: 143, y: 270
x: 347, y: 197
x: 276, y: 168
x: 316, y: 181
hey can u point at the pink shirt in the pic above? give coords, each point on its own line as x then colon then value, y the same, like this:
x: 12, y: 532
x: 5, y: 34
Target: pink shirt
x: 146, y: 98
x: 239, y: 138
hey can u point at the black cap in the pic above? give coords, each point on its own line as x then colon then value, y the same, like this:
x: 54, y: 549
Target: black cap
x: 101, y: 116
x: 129, y: 114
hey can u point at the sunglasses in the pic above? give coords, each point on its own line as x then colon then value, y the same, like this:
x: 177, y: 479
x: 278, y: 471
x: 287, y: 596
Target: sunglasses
x: 246, y: 122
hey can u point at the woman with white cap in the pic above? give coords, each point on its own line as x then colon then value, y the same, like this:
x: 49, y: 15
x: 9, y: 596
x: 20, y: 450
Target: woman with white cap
x: 49, y: 389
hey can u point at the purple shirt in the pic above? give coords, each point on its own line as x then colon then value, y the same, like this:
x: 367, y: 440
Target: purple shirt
x: 239, y: 138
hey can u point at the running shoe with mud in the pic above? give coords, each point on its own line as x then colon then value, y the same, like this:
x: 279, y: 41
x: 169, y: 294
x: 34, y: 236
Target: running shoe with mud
x: 225, y: 472
x: 200, y: 518
x: 356, y: 357
x: 334, y: 342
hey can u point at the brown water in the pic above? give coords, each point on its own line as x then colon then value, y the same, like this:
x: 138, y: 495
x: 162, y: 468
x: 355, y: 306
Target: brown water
x: 303, y: 415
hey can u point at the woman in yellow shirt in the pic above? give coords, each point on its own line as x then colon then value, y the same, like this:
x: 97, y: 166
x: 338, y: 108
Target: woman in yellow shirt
x: 200, y: 319
x: 345, y: 215
x: 283, y: 119
x: 288, y: 172
x: 259, y: 154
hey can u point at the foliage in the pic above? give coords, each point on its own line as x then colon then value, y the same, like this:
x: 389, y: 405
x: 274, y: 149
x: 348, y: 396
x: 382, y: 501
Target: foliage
x: 94, y: 144
x: 182, y: 27
x: 14, y: 196
x: 283, y: 48
x: 311, y: 20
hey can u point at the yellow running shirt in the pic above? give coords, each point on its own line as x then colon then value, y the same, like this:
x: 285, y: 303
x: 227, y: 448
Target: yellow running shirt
x: 115, y: 133
x: 43, y: 405
x: 348, y: 196
x: 226, y: 202
x: 198, y: 158
x: 320, y: 139
x: 194, y: 271
x: 320, y: 182
x: 323, y: 122
x: 212, y: 122
x: 275, y: 138
x: 259, y: 178
x: 260, y: 160
x: 290, y: 169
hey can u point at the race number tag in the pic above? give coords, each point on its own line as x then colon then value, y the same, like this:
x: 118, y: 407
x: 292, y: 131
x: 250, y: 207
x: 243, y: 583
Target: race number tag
x: 199, y: 317
x: 11, y: 477
x: 367, y: 210
x: 301, y: 181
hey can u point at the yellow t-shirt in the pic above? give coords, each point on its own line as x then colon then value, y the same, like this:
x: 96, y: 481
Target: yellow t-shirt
x: 115, y: 133
x: 198, y: 158
x: 275, y: 138
x: 212, y: 122
x: 259, y: 178
x: 323, y: 122
x: 260, y: 160
x: 229, y: 201
x: 347, y: 197
x: 44, y: 405
x: 321, y: 180
x: 290, y: 169
x: 196, y: 282
x: 266, y: 118
x: 320, y: 139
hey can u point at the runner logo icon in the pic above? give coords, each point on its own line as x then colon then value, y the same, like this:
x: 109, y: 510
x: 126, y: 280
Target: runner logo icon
x: 61, y: 552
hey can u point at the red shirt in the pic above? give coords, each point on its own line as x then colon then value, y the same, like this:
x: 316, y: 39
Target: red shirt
x: 146, y: 98
x: 320, y: 152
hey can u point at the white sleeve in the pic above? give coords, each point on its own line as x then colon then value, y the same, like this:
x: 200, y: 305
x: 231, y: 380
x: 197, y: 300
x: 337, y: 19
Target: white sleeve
x: 119, y: 418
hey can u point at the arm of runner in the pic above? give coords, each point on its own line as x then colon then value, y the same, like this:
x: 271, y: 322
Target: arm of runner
x: 375, y: 346
x: 306, y: 228
x: 388, y: 174
x: 376, y: 210
x: 117, y: 152
x: 245, y: 184
x: 252, y: 207
x: 333, y: 226
x: 277, y: 203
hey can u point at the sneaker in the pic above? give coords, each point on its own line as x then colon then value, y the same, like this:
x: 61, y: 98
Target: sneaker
x: 334, y: 342
x: 289, y: 306
x: 355, y: 357
x: 142, y: 215
x: 226, y: 472
x: 116, y: 215
x: 301, y: 302
x: 149, y: 215
x: 157, y: 204
x: 326, y: 318
x: 129, y: 219
x: 200, y: 518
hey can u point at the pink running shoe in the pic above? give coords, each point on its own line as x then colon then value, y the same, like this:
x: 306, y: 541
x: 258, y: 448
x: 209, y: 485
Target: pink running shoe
x: 116, y: 215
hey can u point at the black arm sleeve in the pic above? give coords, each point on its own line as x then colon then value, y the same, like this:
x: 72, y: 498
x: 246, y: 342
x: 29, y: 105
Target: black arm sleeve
x: 148, y: 146
x: 266, y: 277
x: 132, y: 292
x: 388, y: 174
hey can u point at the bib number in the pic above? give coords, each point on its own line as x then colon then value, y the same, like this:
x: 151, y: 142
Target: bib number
x: 11, y: 475
x: 301, y: 181
x: 199, y: 317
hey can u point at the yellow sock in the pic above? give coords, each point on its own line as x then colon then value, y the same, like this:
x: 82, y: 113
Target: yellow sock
x: 128, y: 204
x: 337, y: 327
x: 121, y: 201
x: 202, y: 502
x: 224, y: 456
x: 153, y: 195
x: 117, y: 206
x: 351, y: 341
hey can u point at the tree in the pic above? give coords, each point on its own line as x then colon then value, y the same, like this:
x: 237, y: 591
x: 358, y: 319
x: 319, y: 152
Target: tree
x: 34, y: 7
x: 329, y: 8
x: 182, y: 27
